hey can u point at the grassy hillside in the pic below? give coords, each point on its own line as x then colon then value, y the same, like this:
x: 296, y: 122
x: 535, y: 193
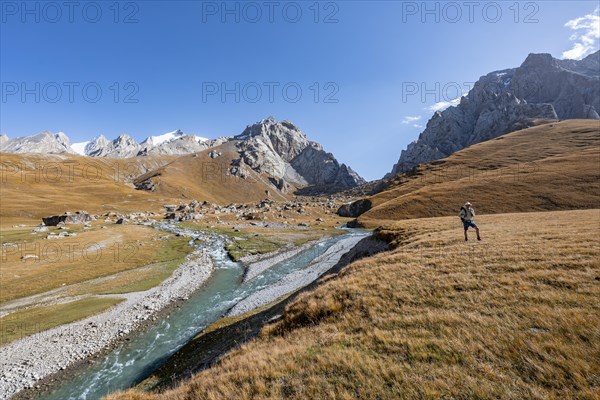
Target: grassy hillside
x: 34, y: 185
x: 549, y: 167
x: 513, y: 317
x: 201, y: 177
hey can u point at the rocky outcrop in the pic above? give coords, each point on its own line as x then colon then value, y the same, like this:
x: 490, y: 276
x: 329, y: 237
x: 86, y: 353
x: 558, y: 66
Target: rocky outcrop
x: 80, y: 217
x: 282, y: 151
x: 354, y: 209
x: 508, y: 100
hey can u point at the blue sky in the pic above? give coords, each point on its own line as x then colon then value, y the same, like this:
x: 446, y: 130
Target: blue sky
x: 162, y: 66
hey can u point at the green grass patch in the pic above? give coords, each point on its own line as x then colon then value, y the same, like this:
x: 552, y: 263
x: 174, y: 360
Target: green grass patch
x: 28, y: 322
x: 169, y: 257
x: 242, y: 243
x: 173, y: 249
x: 251, y: 245
x: 25, y: 235
x: 19, y: 235
x: 144, y: 278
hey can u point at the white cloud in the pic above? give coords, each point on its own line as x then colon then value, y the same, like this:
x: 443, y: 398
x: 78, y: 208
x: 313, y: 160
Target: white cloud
x: 409, y: 120
x: 586, y: 36
x: 417, y: 126
x: 442, y: 105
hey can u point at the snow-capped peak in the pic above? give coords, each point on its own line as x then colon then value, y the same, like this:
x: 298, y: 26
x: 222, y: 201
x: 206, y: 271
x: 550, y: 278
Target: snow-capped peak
x: 166, y: 137
x: 169, y: 136
x: 79, y: 148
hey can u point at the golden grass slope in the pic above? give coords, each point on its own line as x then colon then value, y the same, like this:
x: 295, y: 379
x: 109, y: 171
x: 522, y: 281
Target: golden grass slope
x: 198, y: 176
x: 33, y: 186
x: 513, y: 317
x: 549, y: 167
x: 34, y: 264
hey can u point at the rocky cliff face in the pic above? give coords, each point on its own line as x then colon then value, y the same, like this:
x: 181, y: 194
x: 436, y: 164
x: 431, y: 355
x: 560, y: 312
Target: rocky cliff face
x: 282, y: 151
x: 96, y: 145
x: 508, y: 100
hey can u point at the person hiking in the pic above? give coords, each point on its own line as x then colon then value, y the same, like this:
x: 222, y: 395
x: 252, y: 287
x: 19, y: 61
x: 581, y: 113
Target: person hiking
x: 467, y: 215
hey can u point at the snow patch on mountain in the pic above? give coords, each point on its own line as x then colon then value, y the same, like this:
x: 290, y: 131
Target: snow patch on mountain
x: 80, y: 147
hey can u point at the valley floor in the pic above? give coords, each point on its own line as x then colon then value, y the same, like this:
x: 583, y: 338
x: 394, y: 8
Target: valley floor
x: 83, y: 291
x: 38, y: 355
x: 514, y: 316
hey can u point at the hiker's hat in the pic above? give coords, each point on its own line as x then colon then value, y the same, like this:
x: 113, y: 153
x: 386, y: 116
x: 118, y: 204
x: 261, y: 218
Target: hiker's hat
x: 467, y: 203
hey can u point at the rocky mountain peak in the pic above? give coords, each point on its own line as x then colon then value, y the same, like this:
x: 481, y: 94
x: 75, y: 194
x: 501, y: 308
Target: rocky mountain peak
x: 125, y: 139
x: 96, y: 145
x: 540, y: 60
x: 278, y: 150
x: 100, y: 140
x: 271, y: 127
x: 589, y: 66
x: 508, y: 100
x: 63, y: 139
x: 282, y: 151
x: 43, y: 142
x: 283, y: 138
x: 121, y: 147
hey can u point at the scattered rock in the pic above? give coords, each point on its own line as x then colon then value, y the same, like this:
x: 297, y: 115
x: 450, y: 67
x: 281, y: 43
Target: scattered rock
x: 40, y: 228
x: 79, y: 217
x: 214, y: 154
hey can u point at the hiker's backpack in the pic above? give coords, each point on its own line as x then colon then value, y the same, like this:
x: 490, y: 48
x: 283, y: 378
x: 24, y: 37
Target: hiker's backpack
x: 462, y: 208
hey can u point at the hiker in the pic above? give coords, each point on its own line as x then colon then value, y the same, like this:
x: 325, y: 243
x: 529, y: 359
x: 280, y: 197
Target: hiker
x: 467, y: 215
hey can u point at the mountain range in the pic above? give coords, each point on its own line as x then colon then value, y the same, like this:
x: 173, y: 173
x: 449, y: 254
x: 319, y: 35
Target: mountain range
x: 542, y: 88
x: 278, y: 151
x: 124, y: 146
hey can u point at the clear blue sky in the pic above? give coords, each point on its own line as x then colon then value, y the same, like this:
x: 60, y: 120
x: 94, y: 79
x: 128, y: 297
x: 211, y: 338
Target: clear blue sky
x: 172, y: 52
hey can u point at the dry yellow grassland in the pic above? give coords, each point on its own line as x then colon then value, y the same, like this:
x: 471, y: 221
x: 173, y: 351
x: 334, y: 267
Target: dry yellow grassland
x: 514, y: 316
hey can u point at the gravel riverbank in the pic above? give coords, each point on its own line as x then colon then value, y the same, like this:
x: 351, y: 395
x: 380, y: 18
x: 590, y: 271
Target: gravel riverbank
x: 28, y: 360
x: 53, y: 353
x: 256, y: 264
x: 297, y: 279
